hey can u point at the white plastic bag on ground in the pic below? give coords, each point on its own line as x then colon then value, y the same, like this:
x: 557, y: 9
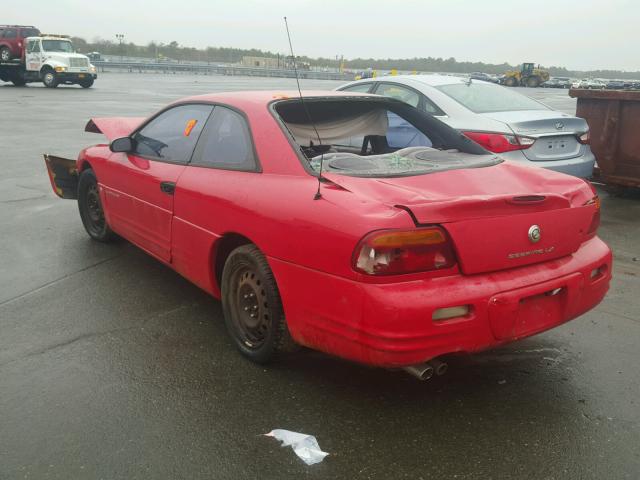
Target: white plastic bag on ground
x: 305, y: 446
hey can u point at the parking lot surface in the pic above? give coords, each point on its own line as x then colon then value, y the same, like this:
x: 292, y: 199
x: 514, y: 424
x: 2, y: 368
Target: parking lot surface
x: 113, y: 366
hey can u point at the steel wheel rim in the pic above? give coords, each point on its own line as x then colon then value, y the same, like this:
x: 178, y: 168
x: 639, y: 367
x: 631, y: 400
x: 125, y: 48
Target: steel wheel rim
x: 48, y: 77
x: 95, y: 214
x: 251, y: 314
x: 5, y: 55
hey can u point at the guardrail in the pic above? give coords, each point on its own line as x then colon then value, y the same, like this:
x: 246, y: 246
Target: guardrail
x: 139, y: 67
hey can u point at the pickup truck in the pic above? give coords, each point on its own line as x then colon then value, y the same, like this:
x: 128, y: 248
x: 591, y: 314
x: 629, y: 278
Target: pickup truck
x: 49, y: 59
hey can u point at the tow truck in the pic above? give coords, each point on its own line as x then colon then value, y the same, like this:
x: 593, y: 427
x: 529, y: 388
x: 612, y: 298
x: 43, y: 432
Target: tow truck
x: 49, y: 59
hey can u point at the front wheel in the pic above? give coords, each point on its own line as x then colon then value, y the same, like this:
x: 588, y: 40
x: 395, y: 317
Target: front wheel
x: 90, y: 206
x: 511, y: 82
x: 533, y: 82
x: 252, y: 306
x: 87, y: 83
x: 50, y: 79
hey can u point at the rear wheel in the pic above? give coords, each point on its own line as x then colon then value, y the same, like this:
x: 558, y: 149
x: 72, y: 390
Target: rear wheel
x: 18, y: 82
x: 90, y: 206
x: 5, y: 54
x: 252, y: 306
x: 49, y: 79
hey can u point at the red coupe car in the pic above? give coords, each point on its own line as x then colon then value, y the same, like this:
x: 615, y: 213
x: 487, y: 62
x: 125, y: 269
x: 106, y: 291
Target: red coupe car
x: 312, y: 229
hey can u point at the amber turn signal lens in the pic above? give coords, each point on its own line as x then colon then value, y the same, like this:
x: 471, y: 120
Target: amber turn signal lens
x: 595, y: 221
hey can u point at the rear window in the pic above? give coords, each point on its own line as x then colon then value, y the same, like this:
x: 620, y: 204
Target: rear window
x: 29, y: 32
x: 374, y: 137
x: 484, y: 98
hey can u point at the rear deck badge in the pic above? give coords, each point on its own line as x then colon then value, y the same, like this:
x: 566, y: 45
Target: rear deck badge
x: 534, y: 233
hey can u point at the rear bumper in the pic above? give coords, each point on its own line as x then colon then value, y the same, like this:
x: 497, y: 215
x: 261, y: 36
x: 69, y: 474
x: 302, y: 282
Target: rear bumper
x: 581, y: 166
x: 391, y: 324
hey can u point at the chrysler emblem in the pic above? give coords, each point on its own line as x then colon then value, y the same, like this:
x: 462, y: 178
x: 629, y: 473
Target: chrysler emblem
x: 534, y: 233
x: 559, y: 126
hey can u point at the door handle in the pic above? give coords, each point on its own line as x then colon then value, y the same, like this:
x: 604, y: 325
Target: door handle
x: 168, y: 187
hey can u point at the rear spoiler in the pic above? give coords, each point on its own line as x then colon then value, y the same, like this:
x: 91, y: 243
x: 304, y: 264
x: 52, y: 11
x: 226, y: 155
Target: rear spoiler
x: 113, y: 127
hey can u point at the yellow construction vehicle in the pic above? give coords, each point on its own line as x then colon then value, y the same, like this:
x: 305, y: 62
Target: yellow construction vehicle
x: 528, y: 76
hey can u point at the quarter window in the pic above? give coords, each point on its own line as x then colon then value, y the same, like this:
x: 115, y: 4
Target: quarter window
x: 226, y: 142
x: 173, y: 134
x: 431, y: 107
x: 359, y: 87
x: 398, y: 92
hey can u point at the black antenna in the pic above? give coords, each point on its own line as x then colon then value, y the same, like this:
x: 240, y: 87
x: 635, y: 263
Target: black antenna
x: 318, y: 195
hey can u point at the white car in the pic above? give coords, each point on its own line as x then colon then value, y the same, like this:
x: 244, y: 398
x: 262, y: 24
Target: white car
x: 500, y: 119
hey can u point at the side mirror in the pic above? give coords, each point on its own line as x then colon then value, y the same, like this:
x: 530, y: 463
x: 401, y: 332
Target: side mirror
x: 124, y: 144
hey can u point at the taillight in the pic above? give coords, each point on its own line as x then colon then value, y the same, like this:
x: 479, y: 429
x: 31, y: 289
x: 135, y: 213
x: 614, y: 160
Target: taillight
x: 500, y: 142
x: 394, y: 252
x: 595, y: 220
x: 585, y: 138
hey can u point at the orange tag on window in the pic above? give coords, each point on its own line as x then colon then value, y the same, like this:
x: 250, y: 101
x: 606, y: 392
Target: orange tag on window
x: 189, y: 127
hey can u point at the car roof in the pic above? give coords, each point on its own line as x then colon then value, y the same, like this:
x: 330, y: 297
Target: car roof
x: 432, y: 80
x: 248, y: 99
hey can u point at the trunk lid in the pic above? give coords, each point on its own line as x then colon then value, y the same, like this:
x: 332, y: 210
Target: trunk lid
x: 556, y: 132
x: 489, y: 212
x: 113, y: 127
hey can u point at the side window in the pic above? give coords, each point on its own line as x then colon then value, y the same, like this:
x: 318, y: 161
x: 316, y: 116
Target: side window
x: 226, y: 142
x: 399, y: 92
x: 173, y: 134
x: 358, y: 87
x: 33, y: 46
x: 10, y: 33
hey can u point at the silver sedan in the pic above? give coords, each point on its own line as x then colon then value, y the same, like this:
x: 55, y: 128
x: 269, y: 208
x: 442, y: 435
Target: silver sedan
x: 500, y: 119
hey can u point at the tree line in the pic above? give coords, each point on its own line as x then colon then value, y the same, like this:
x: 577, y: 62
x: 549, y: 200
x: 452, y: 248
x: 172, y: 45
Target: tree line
x: 173, y: 50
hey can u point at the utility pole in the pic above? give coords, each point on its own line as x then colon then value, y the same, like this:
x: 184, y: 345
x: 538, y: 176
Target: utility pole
x: 120, y: 37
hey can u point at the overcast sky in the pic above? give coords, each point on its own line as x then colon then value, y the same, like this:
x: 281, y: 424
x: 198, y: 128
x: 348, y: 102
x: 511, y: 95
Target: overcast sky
x: 579, y: 35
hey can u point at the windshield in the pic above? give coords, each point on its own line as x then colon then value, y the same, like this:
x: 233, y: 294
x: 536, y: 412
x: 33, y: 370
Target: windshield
x: 485, y: 97
x: 57, y: 46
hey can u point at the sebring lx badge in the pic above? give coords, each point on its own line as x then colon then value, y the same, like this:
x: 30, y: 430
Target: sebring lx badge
x: 534, y: 237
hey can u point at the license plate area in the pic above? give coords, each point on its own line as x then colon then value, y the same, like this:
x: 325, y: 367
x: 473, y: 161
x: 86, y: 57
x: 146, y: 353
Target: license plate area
x: 523, y: 312
x: 556, y: 145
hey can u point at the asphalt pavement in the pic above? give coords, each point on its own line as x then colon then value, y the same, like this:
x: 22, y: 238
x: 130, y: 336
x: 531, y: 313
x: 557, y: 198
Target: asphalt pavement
x: 112, y: 366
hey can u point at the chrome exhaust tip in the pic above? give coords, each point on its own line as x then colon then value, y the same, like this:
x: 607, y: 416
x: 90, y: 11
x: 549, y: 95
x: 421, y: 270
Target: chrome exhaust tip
x: 422, y: 371
x: 439, y: 367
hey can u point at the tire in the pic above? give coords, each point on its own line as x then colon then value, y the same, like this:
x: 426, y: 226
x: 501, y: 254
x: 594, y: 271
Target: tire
x: 5, y: 54
x: 18, y: 82
x: 49, y: 78
x: 252, y: 307
x: 90, y: 207
x: 88, y: 83
x: 510, y: 82
x: 532, y: 82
